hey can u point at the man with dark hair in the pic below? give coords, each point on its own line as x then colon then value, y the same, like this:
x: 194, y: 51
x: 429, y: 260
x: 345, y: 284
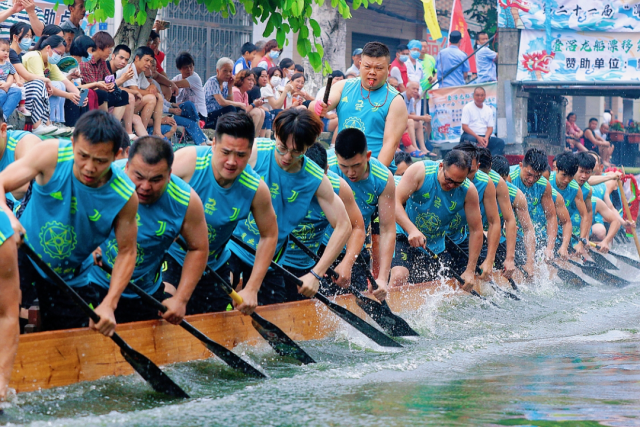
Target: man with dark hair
x: 76, y: 15
x: 79, y: 197
x: 311, y: 231
x: 399, y: 68
x: 118, y: 60
x: 293, y: 181
x: 190, y: 85
x: 154, y: 43
x: 527, y: 176
x: 244, y: 62
x: 485, y: 60
x: 586, y: 165
x: 370, y: 105
x: 403, y: 161
x: 168, y: 208
x: 562, y: 180
x: 448, y: 59
x: 374, y: 191
x: 477, y: 124
x: 231, y: 193
x: 435, y: 194
x: 598, y: 143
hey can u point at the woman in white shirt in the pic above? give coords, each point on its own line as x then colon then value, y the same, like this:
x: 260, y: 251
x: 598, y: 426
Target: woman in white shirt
x: 275, y: 100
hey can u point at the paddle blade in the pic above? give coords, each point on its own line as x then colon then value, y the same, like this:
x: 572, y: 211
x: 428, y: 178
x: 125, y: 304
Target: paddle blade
x: 279, y: 341
x: 603, y: 276
x: 601, y: 261
x: 362, y: 326
x: 392, y: 324
x: 148, y: 370
x: 630, y: 261
x: 570, y: 277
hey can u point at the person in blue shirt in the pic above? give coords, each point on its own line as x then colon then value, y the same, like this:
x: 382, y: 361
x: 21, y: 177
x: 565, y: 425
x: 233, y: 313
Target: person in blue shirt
x: 448, y: 58
x: 370, y: 105
x: 78, y: 198
x: 168, y: 208
x: 247, y: 50
x: 9, y: 302
x: 232, y: 192
x: 485, y: 60
x: 435, y: 194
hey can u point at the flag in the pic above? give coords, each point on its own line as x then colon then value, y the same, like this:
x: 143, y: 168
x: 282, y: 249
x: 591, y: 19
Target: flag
x: 431, y: 19
x: 458, y: 23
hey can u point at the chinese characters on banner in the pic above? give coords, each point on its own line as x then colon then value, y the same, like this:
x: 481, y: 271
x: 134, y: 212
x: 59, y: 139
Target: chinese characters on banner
x: 445, y: 106
x: 574, y: 56
x: 577, y: 15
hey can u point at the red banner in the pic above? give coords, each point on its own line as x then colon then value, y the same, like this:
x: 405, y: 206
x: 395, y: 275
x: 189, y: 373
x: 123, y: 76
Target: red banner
x: 458, y: 23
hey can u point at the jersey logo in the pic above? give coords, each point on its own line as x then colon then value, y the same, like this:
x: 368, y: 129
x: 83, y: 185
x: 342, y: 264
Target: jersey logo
x: 428, y: 221
x: 437, y: 202
x: 163, y: 227
x: 453, y: 206
x: 57, y: 240
x: 426, y: 195
x: 359, y: 105
x: 96, y: 216
x: 294, y: 196
x: 305, y: 232
x: 345, y: 99
x: 370, y: 199
x: 212, y: 233
x: 74, y: 205
x: 275, y: 190
x: 404, y: 256
x: 57, y: 195
x: 235, y: 214
x: 250, y: 222
x: 355, y: 123
x: 138, y: 222
x: 455, y: 223
x: 210, y: 206
x: 112, y: 253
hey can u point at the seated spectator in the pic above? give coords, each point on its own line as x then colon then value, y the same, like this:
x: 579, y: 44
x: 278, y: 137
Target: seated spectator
x: 337, y: 76
x: 38, y: 62
x: 9, y: 96
x: 218, y: 97
x: 288, y: 68
x: 68, y: 35
x: 271, y: 53
x: 356, y: 57
x: 331, y: 118
x: 56, y: 103
x: 21, y: 37
x: 298, y: 68
x: 593, y: 142
x: 243, y: 82
x: 477, y: 124
x: 300, y: 96
x: 573, y: 134
x: 262, y: 79
x: 416, y: 121
x: 351, y: 76
x: 168, y: 125
x: 166, y: 87
x: 393, y: 82
x: 148, y: 101
x: 154, y: 43
x: 403, y: 161
x: 399, y: 68
x: 190, y: 84
x: 18, y: 11
x: 244, y: 62
x: 73, y: 23
x: 259, y: 53
x: 82, y: 50
x: 275, y: 100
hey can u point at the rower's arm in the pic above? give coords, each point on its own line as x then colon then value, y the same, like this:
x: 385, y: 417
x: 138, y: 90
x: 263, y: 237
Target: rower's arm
x: 589, y: 207
x: 474, y: 221
x: 336, y: 214
x: 9, y: 312
x: 356, y: 240
x: 493, y: 234
x: 411, y: 181
x: 552, y: 222
x: 510, y: 226
x: 395, y: 124
x: 334, y: 96
x: 24, y: 145
x: 184, y: 163
x: 565, y: 222
x: 585, y: 226
x: 612, y: 218
x: 522, y: 210
x: 387, y: 215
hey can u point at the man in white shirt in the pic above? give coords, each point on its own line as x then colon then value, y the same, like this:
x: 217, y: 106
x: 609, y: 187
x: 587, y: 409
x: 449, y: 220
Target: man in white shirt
x: 148, y: 98
x: 477, y: 124
x: 355, y: 68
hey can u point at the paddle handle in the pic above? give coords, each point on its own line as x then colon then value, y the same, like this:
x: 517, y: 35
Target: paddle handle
x: 627, y: 212
x: 314, y: 256
x: 278, y: 267
x: 327, y: 90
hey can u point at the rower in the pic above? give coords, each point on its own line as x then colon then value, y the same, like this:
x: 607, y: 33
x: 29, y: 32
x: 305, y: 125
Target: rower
x: 586, y: 163
x: 79, y: 197
x: 231, y: 192
x: 370, y: 104
x: 505, y: 212
x: 527, y: 176
x: 562, y: 181
x: 168, y: 208
x: 527, y: 241
x: 14, y: 144
x: 293, y: 181
x: 457, y: 231
x: 9, y: 302
x: 562, y: 213
x: 374, y: 190
x: 311, y: 231
x: 434, y: 194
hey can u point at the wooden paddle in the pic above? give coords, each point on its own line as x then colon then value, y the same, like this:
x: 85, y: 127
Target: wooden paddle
x: 158, y: 380
x: 362, y: 326
x: 598, y: 258
x: 632, y: 262
x: 627, y: 212
x: 392, y: 324
x: 226, y: 355
x: 600, y: 274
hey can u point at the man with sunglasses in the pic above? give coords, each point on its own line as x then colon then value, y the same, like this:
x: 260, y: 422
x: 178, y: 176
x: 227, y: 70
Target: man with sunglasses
x: 293, y: 182
x: 435, y: 194
x: 527, y: 176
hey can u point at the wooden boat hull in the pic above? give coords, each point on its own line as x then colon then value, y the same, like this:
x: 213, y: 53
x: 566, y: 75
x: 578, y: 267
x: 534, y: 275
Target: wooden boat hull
x: 60, y: 358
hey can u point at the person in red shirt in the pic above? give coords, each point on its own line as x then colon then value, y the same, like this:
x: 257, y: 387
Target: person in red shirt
x: 154, y: 43
x: 399, y: 69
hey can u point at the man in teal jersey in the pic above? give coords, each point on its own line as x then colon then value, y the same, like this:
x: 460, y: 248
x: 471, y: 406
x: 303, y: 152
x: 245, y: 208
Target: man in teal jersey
x: 527, y: 244
x: 293, y: 181
x: 168, y: 208
x: 527, y: 176
x: 9, y: 302
x: 370, y: 105
x: 374, y: 190
x: 434, y: 193
x: 562, y: 181
x: 586, y: 163
x: 562, y: 213
x: 231, y: 192
x: 311, y: 231
x: 78, y: 198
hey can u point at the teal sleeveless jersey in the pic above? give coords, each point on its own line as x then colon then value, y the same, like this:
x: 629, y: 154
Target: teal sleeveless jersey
x: 569, y: 196
x: 5, y: 228
x: 585, y: 191
x: 310, y: 231
x: 224, y: 208
x: 291, y: 195
x: 434, y: 210
x: 533, y: 195
x: 67, y: 220
x: 513, y: 193
x: 158, y: 226
x: 366, y: 111
x: 9, y: 155
x: 458, y: 230
x: 597, y: 192
x: 597, y: 218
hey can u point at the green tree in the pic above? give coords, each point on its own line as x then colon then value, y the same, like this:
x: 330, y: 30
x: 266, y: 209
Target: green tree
x: 485, y: 13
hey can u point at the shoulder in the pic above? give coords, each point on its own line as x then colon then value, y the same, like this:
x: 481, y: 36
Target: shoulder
x: 481, y: 177
x: 379, y: 170
x: 249, y: 178
x: 334, y: 179
x: 264, y: 144
x: 313, y: 169
x: 179, y: 190
x: 573, y: 184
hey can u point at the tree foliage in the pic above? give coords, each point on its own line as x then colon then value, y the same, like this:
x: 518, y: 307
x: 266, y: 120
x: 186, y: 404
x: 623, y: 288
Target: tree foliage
x: 485, y: 13
x: 281, y: 16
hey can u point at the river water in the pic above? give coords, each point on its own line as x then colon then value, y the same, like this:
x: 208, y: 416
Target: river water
x: 561, y: 357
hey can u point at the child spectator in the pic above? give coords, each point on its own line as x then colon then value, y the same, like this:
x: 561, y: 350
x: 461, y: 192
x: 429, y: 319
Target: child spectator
x: 9, y: 96
x: 244, y: 62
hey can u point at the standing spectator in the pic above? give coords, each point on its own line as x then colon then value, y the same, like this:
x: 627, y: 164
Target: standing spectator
x: 76, y: 15
x: 597, y: 143
x: 448, y: 59
x: 271, y: 53
x: 218, y: 97
x: 190, y: 84
x: 356, y: 57
x: 486, y: 60
x: 9, y: 96
x: 154, y: 44
x: 243, y: 83
x: 247, y: 50
x: 573, y: 134
x: 414, y: 66
x: 259, y: 53
x: 20, y: 11
x: 416, y: 120
x: 477, y: 124
x: 399, y: 67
